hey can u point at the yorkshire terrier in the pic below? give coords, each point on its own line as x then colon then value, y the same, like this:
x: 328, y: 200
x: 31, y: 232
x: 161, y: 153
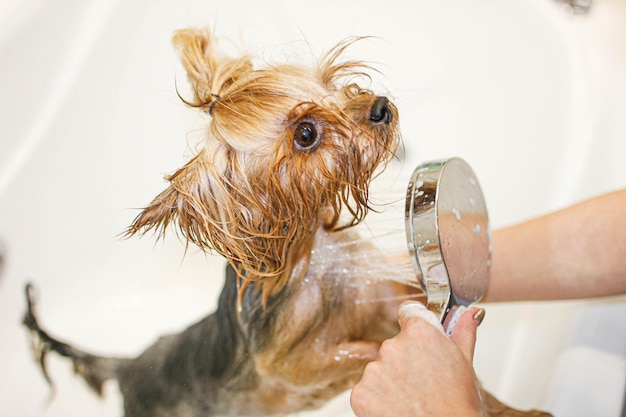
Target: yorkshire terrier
x: 284, y: 173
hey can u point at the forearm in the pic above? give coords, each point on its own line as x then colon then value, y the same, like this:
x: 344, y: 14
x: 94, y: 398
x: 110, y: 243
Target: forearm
x: 573, y: 253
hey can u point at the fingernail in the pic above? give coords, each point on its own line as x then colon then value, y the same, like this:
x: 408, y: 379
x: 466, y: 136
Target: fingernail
x: 412, y: 309
x: 419, y: 310
x: 479, y: 316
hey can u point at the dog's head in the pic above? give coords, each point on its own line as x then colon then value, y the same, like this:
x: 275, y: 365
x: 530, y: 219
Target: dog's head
x: 287, y: 148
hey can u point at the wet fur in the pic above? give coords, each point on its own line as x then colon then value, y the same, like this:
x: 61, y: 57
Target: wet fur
x: 308, y: 343
x: 300, y: 314
x: 250, y: 194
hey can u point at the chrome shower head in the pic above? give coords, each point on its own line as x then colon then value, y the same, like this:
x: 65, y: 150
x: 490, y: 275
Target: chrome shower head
x: 448, y: 235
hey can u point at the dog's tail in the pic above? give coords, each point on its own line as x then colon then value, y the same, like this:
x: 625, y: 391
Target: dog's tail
x: 95, y: 370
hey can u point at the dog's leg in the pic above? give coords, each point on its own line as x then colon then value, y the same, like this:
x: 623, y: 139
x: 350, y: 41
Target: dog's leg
x: 336, y: 367
x: 492, y: 407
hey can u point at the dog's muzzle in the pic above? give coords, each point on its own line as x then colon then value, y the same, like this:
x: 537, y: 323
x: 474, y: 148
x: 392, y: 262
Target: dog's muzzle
x: 380, y: 111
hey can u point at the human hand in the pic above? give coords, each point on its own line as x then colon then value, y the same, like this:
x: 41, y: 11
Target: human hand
x: 421, y: 371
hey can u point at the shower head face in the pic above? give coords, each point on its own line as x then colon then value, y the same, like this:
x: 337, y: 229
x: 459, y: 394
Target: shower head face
x: 448, y: 235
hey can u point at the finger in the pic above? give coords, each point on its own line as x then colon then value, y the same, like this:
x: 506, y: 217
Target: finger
x: 452, y: 317
x: 416, y: 309
x: 464, y: 332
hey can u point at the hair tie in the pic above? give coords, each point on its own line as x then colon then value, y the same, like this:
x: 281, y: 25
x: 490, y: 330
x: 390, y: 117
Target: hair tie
x: 216, y: 98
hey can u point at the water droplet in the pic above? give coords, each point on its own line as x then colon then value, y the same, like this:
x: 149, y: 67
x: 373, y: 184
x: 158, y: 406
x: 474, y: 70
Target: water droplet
x: 457, y: 215
x: 477, y: 228
x: 472, y: 202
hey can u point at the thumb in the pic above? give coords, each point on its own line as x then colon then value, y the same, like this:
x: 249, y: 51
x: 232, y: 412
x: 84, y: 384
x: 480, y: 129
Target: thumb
x: 464, y: 332
x: 416, y: 309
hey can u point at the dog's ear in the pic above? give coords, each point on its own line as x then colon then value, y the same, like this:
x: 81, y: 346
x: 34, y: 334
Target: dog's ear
x: 210, y: 72
x: 190, y: 201
x: 213, y: 205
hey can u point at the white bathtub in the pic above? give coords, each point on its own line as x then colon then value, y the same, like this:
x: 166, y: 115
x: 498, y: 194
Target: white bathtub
x: 532, y: 97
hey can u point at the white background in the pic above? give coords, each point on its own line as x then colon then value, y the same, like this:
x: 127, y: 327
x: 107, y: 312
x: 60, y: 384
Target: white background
x: 531, y: 96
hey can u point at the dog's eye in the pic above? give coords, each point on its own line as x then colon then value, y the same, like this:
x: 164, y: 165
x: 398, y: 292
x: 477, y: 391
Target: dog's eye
x: 305, y: 136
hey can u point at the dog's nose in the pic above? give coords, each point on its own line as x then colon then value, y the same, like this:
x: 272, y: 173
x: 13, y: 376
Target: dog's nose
x: 380, y: 111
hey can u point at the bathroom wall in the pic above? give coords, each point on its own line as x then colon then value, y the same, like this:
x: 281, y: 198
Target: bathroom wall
x: 532, y: 96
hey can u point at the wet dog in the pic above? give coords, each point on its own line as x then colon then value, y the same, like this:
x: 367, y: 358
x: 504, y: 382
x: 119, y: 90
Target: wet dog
x: 283, y: 175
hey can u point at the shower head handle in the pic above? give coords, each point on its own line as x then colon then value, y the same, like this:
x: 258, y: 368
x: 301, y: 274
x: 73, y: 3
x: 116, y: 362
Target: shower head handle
x: 448, y: 235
